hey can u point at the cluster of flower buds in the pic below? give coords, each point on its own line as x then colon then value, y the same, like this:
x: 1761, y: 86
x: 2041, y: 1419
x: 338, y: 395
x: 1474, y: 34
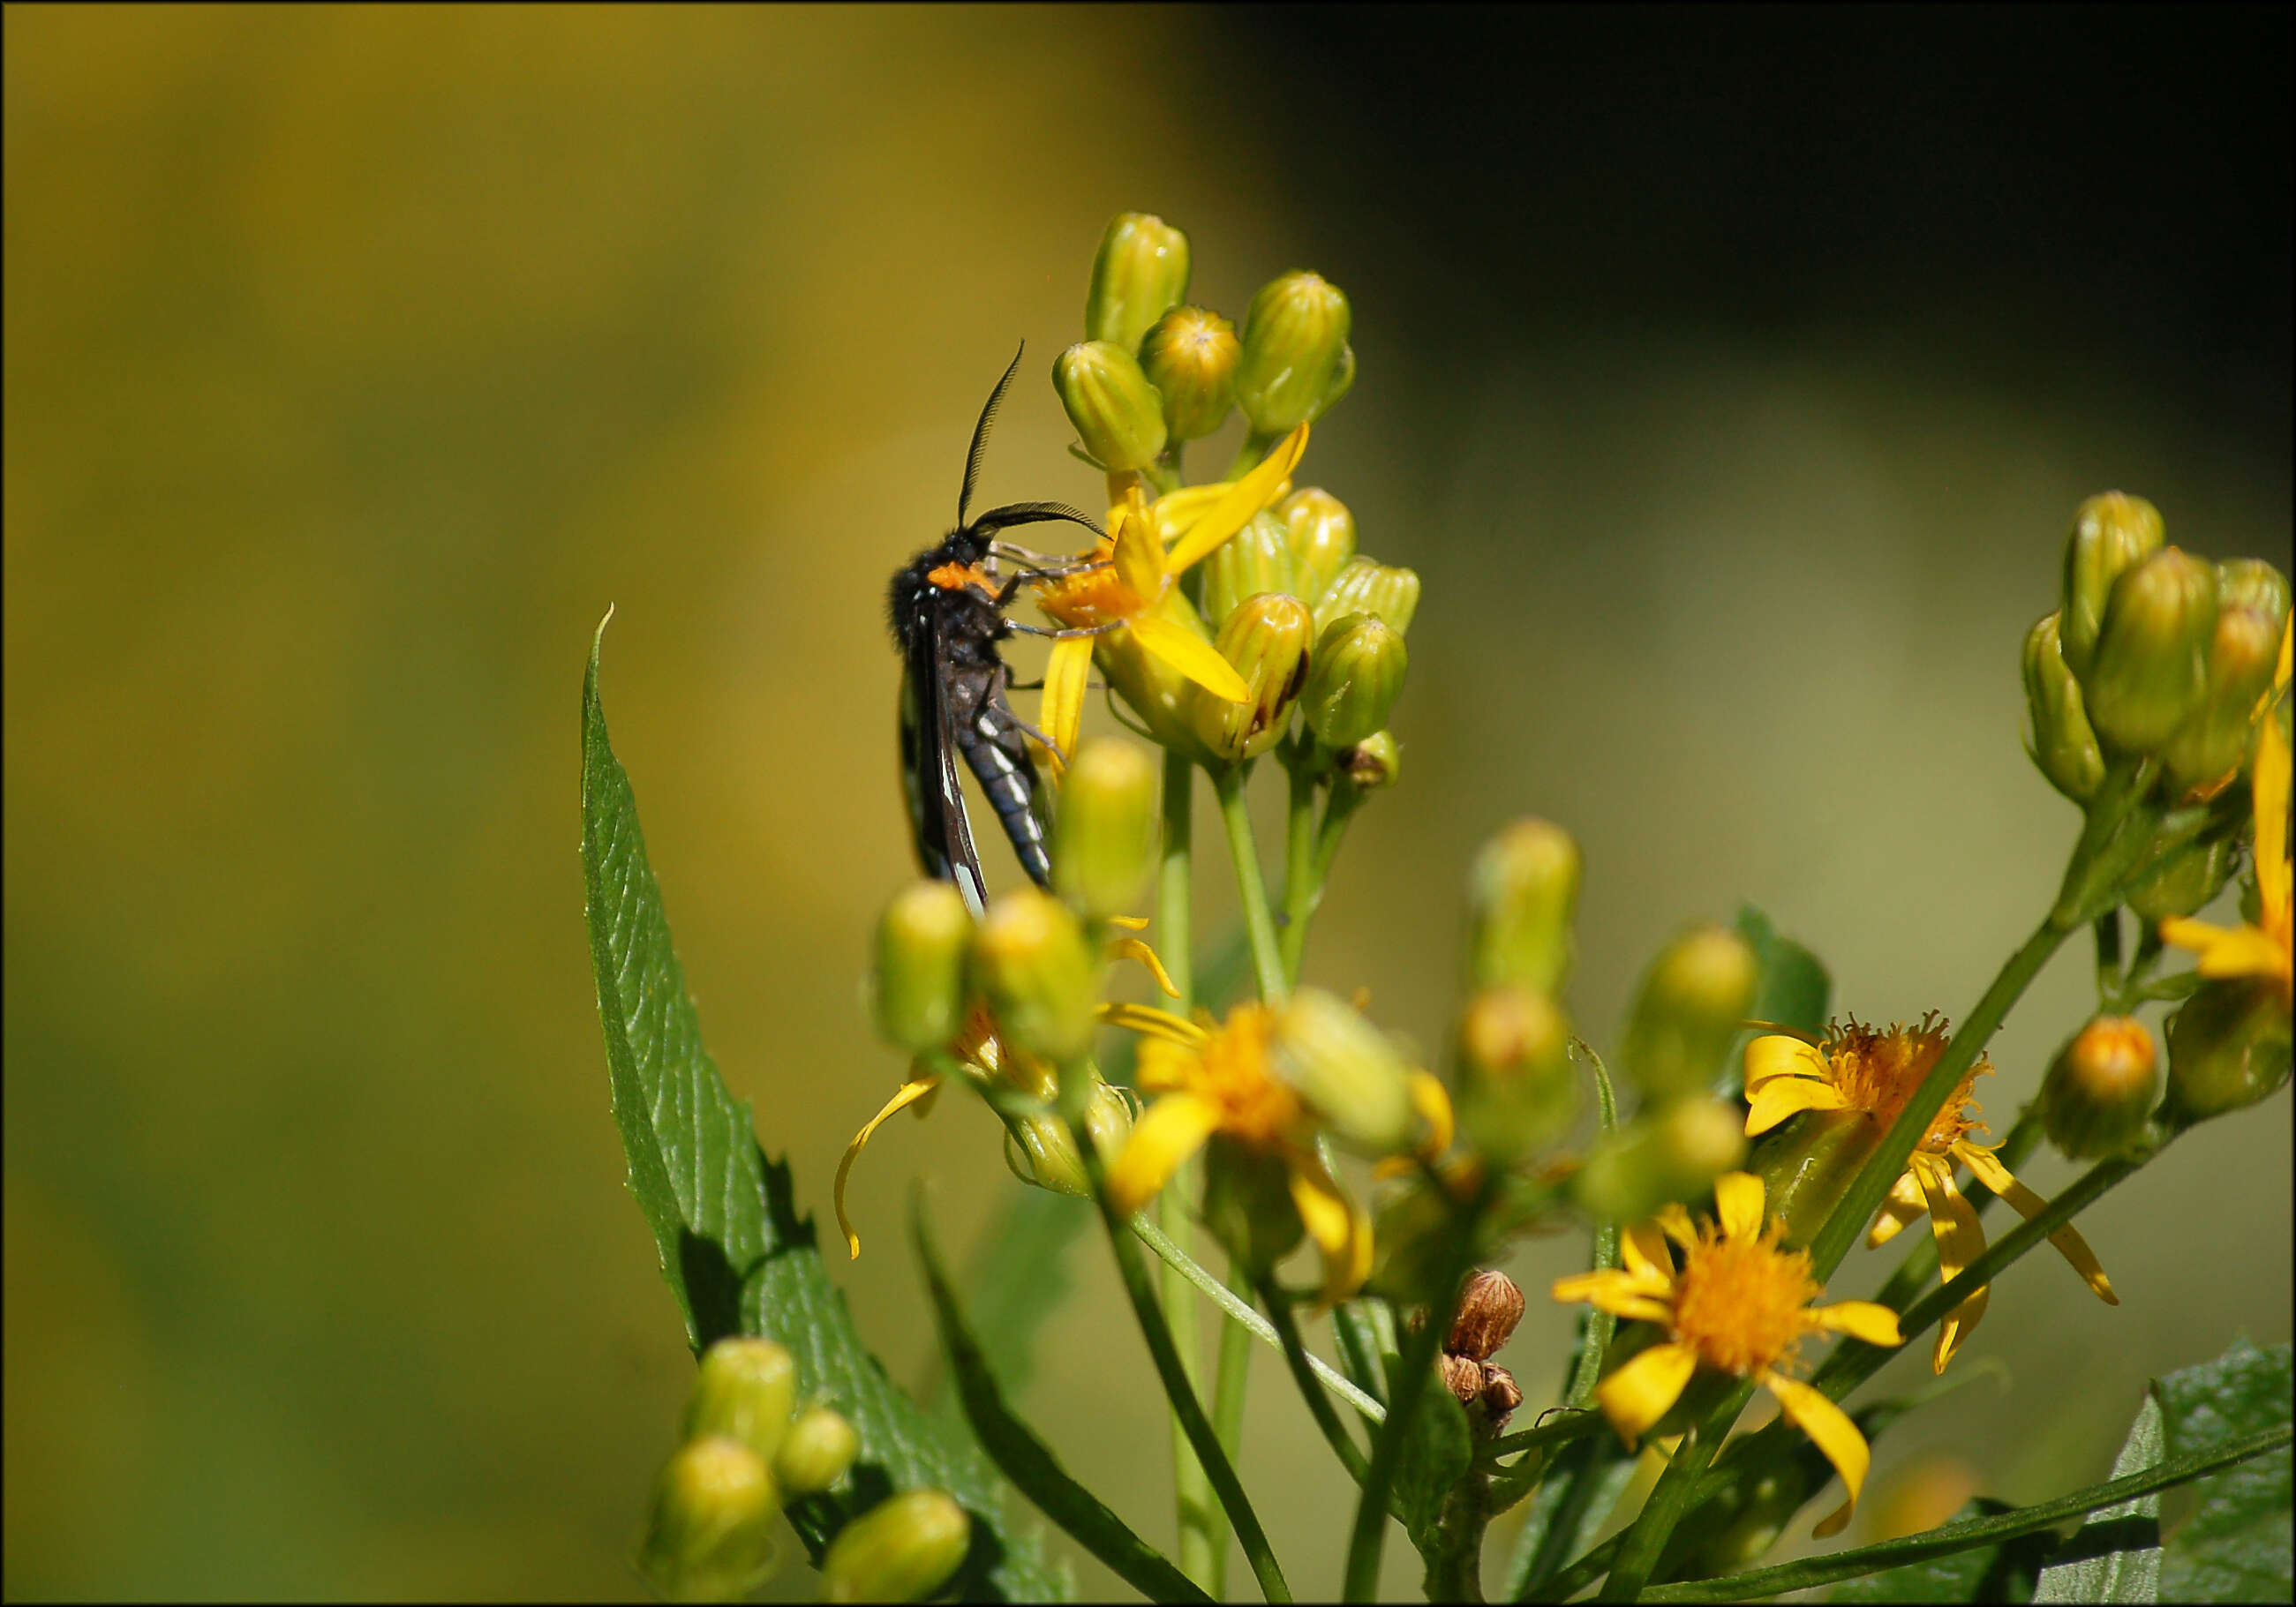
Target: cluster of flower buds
x: 1489, y: 1309
x: 748, y: 1449
x: 1516, y: 1091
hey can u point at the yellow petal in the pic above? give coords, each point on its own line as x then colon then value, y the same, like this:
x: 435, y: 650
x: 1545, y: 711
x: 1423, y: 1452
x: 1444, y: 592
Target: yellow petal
x: 1139, y: 556
x: 1060, y: 716
x: 2234, y: 951
x: 1619, y: 1293
x: 911, y: 1092
x: 1673, y: 1222
x: 1194, y: 657
x: 2067, y: 1239
x: 1133, y: 948
x: 1434, y: 1107
x: 1244, y: 498
x: 1167, y: 1133
x: 1644, y: 1391
x: 1342, y: 1234
x: 1129, y: 923
x: 1642, y: 1249
x: 1960, y: 1240
x: 1778, y: 1055
x: 1903, y: 1208
x: 1738, y: 1197
x: 1156, y: 1023
x: 1177, y: 511
x: 1784, y: 1097
x: 1874, y: 1323
x: 2269, y: 786
x: 1837, y: 1438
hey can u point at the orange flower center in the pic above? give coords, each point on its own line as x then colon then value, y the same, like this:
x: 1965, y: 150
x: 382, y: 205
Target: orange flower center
x: 1877, y: 1072
x: 1230, y: 1068
x: 1742, y: 1304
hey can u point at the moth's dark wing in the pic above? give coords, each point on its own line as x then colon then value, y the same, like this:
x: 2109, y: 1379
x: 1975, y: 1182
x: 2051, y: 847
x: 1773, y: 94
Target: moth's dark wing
x: 936, y: 818
x: 981, y: 437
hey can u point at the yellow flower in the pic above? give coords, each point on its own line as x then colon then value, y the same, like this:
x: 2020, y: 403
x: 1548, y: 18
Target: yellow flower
x: 2263, y: 949
x: 1208, y: 1078
x: 1872, y: 1073
x: 1147, y: 547
x: 1740, y: 1304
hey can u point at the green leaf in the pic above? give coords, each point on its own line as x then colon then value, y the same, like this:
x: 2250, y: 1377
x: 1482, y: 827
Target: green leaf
x: 2001, y: 1572
x: 1436, y: 1455
x: 2115, y: 1556
x: 1794, y: 990
x: 1571, y: 1504
x: 2235, y: 1547
x: 1017, y: 1278
x: 737, y: 1255
x: 1026, y: 1460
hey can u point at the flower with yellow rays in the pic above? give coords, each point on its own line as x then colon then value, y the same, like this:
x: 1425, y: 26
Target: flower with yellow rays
x: 1147, y: 547
x: 1872, y: 1074
x: 1739, y: 1304
x: 2261, y: 949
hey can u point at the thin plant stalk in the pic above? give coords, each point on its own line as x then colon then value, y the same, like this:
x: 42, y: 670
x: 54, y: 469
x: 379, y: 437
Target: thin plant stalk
x: 1319, y: 1406
x: 1251, y: 891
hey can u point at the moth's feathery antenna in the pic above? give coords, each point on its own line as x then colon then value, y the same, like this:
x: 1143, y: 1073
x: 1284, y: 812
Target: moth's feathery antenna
x: 981, y: 437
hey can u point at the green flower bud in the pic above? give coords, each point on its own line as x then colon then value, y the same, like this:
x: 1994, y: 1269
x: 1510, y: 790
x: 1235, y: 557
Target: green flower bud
x: 2209, y: 748
x: 1160, y: 696
x: 2101, y: 1087
x: 821, y: 1446
x: 1140, y: 274
x: 1104, y: 843
x: 1266, y: 639
x: 1673, y: 1153
x: 2111, y: 533
x: 1354, y: 675
x: 918, y: 986
x: 1322, y: 537
x: 711, y: 1534
x: 1190, y: 357
x: 2062, y: 746
x: 2183, y: 882
x: 1366, y: 586
x: 2228, y: 1047
x: 1049, y: 1148
x: 1296, y: 359
x: 744, y: 1391
x: 1521, y: 896
x: 904, y: 1549
x: 1807, y: 1164
x: 1116, y: 413
x: 2253, y: 583
x: 1516, y: 1091
x: 1029, y: 960
x: 1692, y: 1001
x: 1256, y: 559
x: 2150, y: 671
x: 1248, y: 1206
x: 1375, y: 762
x: 1345, y: 1067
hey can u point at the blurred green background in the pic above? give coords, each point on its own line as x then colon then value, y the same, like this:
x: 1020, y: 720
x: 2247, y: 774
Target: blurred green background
x: 1729, y: 382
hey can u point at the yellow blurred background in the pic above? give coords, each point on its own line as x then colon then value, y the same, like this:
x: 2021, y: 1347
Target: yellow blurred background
x: 357, y: 359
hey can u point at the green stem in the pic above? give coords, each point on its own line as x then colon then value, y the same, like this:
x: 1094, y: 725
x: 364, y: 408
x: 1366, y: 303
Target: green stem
x: 1227, y: 1399
x: 1256, y: 446
x: 1640, y: 1547
x: 2108, y: 954
x: 1319, y: 1406
x: 1251, y: 892
x: 1571, y: 1425
x: 1303, y: 890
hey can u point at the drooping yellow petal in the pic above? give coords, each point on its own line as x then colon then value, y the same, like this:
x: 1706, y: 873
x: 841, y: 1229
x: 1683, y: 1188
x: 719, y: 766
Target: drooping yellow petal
x: 1777, y: 1055
x: 2027, y: 1204
x: 1154, y: 1022
x: 1644, y: 1391
x: 1061, y: 717
x: 1133, y: 948
x: 1429, y: 1098
x: 2225, y: 951
x: 1194, y: 657
x: 1244, y: 498
x: 1874, y: 1323
x: 1139, y: 556
x: 1784, y: 1097
x: 1903, y: 1208
x: 1642, y: 1249
x: 1830, y: 1429
x: 1341, y: 1232
x: 1619, y: 1293
x: 2270, y: 787
x: 1738, y: 1197
x: 911, y: 1092
x: 1167, y: 1133
x: 1960, y: 1240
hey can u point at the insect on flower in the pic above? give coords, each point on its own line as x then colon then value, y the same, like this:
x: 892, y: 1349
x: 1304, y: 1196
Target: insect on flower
x: 948, y: 611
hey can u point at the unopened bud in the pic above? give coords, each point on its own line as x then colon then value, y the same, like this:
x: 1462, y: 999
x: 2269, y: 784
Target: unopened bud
x: 1516, y: 1091
x: 821, y: 1446
x: 918, y: 984
x: 902, y: 1549
x: 2063, y: 747
x: 1355, y: 675
x: 2101, y: 1087
x: 2151, y: 667
x: 1029, y: 960
x: 1266, y: 639
x: 1488, y: 1310
x: 1347, y: 1069
x: 710, y: 1537
x: 1140, y: 273
x: 1323, y: 536
x: 1190, y: 357
x: 1521, y: 896
x: 1104, y: 844
x: 1674, y: 1152
x: 2253, y: 583
x: 2183, y: 880
x: 744, y: 1391
x: 1248, y: 1205
x: 1296, y: 359
x: 2209, y: 747
x: 1050, y: 1146
x: 1365, y: 585
x: 1256, y: 559
x: 1693, y: 1000
x: 2228, y: 1047
x: 1375, y: 762
x: 1116, y: 413
x: 2111, y: 533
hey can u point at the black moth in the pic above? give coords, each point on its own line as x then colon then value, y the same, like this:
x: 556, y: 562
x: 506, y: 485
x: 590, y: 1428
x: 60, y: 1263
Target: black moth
x: 946, y: 606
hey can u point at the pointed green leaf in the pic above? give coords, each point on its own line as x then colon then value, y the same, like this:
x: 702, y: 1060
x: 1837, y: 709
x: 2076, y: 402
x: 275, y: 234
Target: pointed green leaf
x: 1794, y: 990
x: 2115, y: 1556
x: 2235, y: 1547
x: 1436, y: 1455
